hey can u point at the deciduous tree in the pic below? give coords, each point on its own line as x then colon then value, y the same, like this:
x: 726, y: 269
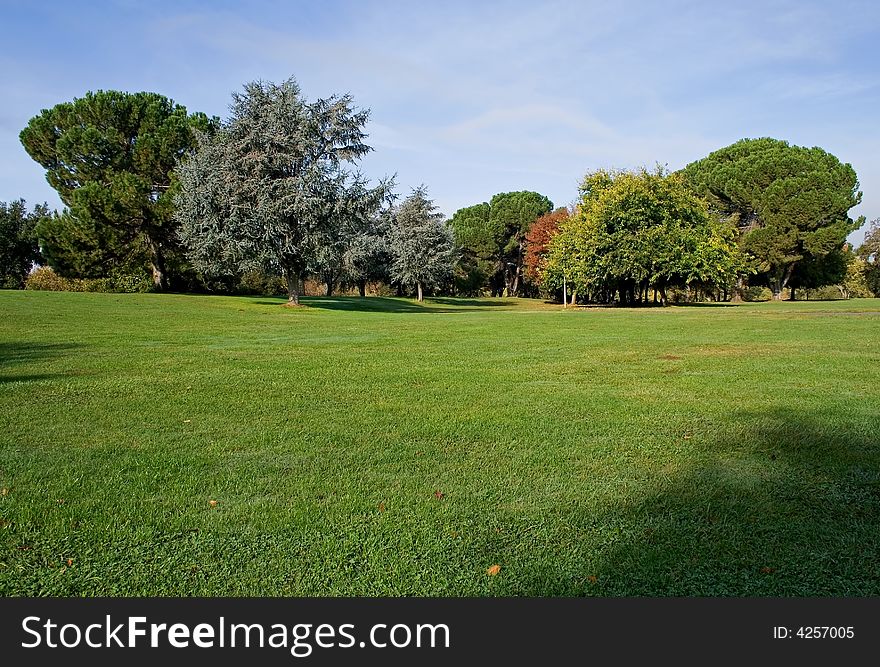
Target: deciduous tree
x: 869, y: 251
x: 634, y: 231
x: 537, y: 240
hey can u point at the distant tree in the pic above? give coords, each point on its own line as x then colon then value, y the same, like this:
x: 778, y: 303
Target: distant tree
x: 855, y: 282
x: 496, y: 233
x: 831, y: 268
x: 869, y: 251
x: 110, y: 156
x: 367, y: 256
x: 790, y: 203
x: 19, y: 248
x: 478, y: 261
x: 634, y: 231
x: 422, y: 245
x: 353, y: 250
x: 537, y: 240
x: 265, y: 191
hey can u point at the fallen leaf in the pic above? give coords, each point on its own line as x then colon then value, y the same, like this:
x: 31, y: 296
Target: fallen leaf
x: 767, y: 570
x: 69, y: 562
x: 592, y: 578
x: 492, y: 571
x: 381, y: 507
x: 60, y: 501
x: 439, y: 495
x: 212, y: 503
x: 4, y: 491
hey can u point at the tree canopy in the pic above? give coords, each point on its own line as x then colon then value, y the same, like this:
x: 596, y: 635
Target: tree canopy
x: 869, y: 252
x: 496, y: 233
x: 19, y: 247
x: 110, y: 156
x: 633, y: 231
x: 538, y: 240
x: 265, y: 189
x: 790, y: 203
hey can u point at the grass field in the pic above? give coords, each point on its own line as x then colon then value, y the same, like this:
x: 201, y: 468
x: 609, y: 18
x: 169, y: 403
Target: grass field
x: 183, y: 445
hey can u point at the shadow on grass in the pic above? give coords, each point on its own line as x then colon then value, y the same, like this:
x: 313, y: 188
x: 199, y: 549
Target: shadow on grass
x: 705, y: 304
x: 787, y: 506
x: 381, y: 304
x: 13, y: 354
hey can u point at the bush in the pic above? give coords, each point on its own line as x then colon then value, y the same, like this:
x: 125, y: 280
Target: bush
x: 826, y: 293
x: 756, y: 293
x: 45, y: 279
x: 259, y: 283
x: 129, y: 283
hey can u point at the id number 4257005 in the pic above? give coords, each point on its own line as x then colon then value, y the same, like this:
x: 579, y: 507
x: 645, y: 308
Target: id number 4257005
x: 814, y: 632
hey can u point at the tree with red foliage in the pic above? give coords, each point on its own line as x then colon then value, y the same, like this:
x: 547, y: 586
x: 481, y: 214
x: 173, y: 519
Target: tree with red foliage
x: 537, y: 239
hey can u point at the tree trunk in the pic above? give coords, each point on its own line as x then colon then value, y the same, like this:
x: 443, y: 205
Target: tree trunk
x: 515, y: 290
x: 362, y: 288
x: 661, y: 287
x: 292, y: 286
x: 738, y: 290
x: 330, y: 287
x: 780, y: 283
x: 157, y: 264
x: 419, y: 287
x: 509, y: 281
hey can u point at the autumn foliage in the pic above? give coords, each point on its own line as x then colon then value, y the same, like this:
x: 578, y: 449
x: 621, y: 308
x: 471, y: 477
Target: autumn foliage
x: 537, y: 239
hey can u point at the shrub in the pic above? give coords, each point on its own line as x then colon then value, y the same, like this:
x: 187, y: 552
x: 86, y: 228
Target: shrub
x: 260, y: 283
x: 129, y: 283
x: 826, y: 293
x: 47, y: 280
x: 756, y: 293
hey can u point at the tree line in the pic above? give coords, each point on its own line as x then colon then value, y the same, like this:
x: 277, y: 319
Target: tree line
x: 194, y: 203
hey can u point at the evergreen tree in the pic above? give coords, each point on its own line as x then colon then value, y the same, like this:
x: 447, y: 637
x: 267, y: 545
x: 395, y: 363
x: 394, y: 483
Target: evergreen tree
x: 19, y: 248
x: 791, y: 204
x: 267, y: 189
x: 110, y: 156
x: 422, y: 245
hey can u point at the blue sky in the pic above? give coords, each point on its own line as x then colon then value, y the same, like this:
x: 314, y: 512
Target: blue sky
x: 477, y: 98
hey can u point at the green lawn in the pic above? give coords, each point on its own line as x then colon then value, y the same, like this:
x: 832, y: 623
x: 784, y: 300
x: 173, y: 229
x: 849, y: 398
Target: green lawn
x: 380, y: 447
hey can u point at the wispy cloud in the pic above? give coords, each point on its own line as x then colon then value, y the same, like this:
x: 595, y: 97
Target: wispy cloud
x: 475, y: 98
